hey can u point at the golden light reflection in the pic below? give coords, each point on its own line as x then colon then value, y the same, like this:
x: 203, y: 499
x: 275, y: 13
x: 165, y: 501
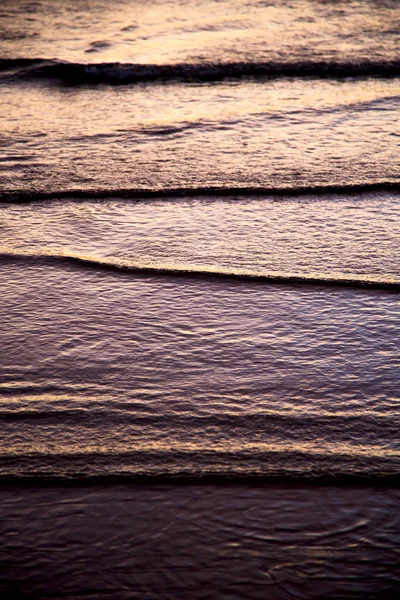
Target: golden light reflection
x: 169, y: 32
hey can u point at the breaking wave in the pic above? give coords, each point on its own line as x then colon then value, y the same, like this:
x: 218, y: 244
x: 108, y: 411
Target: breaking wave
x: 72, y: 73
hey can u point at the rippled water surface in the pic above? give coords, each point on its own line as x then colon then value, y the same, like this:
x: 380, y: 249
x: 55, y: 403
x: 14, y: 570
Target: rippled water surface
x: 189, y: 30
x: 273, y: 134
x: 208, y: 541
x: 163, y: 375
x: 199, y: 314
x: 336, y: 235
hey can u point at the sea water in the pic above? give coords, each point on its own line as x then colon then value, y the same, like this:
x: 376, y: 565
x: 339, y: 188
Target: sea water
x: 199, y: 272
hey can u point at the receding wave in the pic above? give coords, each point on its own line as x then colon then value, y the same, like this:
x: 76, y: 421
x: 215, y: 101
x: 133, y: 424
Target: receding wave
x: 353, y: 281
x: 26, y: 196
x: 72, y: 73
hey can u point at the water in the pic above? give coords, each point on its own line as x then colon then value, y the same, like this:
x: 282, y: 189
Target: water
x: 272, y: 134
x: 202, y: 541
x: 187, y: 30
x: 199, y: 269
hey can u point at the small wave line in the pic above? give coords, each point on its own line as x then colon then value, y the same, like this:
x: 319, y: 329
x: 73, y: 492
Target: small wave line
x: 79, y: 194
x: 114, y: 73
x: 206, y: 271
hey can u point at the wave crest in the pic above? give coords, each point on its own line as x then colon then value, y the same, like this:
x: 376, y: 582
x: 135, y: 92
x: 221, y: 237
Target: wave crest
x: 273, y: 277
x: 73, y: 73
x: 26, y: 196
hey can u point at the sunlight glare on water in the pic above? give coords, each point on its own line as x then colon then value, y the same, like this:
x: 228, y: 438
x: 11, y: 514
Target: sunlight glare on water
x: 273, y: 134
x: 163, y: 31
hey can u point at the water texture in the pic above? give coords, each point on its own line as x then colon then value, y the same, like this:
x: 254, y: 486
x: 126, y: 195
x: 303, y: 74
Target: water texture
x: 274, y: 134
x: 199, y: 311
x: 106, y: 375
x: 202, y: 541
x: 189, y: 31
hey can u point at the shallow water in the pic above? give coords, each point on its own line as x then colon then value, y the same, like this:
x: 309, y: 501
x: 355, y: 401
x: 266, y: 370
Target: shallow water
x: 109, y: 373
x: 274, y: 134
x: 190, y: 31
x: 334, y: 235
x: 152, y: 373
x: 199, y: 281
x: 204, y: 541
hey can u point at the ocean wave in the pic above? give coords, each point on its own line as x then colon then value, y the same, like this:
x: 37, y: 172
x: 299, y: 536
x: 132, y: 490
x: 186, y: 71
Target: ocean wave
x: 74, y: 73
x: 353, y: 281
x: 182, y: 465
x: 25, y: 196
